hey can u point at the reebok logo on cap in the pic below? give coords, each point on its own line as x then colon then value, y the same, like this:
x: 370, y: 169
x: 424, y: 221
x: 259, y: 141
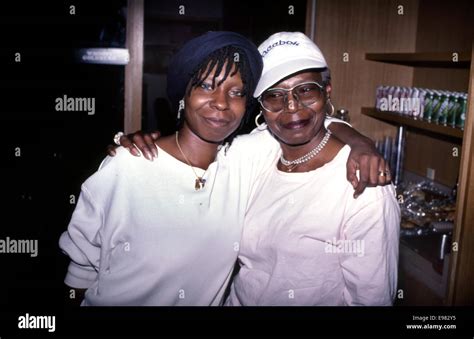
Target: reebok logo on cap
x: 279, y: 43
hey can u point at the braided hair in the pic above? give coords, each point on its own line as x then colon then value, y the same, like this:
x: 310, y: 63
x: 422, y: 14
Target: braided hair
x: 232, y: 58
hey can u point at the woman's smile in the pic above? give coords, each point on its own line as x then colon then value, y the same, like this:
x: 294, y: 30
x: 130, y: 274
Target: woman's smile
x: 216, y: 122
x: 296, y: 124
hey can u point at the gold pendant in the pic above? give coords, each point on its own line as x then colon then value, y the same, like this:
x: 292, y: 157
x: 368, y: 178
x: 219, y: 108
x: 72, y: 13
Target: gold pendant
x: 291, y: 167
x: 200, y: 182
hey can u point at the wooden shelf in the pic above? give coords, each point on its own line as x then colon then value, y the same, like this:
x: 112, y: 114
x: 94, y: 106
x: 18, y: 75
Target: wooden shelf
x: 400, y: 119
x: 423, y: 59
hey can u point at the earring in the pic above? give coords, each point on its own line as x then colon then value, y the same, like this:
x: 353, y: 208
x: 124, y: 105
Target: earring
x: 332, y: 107
x: 256, y: 120
x: 181, y: 107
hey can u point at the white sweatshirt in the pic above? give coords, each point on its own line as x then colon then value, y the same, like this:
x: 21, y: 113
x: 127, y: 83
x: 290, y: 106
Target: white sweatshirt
x: 307, y: 241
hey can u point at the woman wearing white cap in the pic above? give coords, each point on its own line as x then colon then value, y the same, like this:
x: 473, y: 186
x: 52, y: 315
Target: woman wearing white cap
x: 306, y: 241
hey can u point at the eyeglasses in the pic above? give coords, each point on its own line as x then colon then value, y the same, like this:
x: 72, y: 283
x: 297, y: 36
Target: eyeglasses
x: 307, y: 93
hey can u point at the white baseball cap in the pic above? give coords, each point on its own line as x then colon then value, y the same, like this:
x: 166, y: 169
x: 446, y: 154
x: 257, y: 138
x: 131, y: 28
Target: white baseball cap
x: 285, y: 53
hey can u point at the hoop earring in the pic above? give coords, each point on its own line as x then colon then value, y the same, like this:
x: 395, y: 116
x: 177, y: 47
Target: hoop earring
x: 256, y: 120
x: 332, y: 107
x: 181, y: 108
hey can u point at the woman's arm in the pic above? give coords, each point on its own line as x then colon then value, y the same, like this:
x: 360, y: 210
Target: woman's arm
x: 369, y: 258
x: 81, y: 242
x: 363, y: 157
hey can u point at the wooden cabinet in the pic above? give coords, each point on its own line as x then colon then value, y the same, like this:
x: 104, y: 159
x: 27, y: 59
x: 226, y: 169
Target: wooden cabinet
x: 460, y: 289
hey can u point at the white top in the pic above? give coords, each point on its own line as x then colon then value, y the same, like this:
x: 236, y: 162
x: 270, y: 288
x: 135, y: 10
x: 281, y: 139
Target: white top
x: 307, y: 241
x: 142, y: 235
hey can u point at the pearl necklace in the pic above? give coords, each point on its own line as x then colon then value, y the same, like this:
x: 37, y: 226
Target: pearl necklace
x: 308, y: 156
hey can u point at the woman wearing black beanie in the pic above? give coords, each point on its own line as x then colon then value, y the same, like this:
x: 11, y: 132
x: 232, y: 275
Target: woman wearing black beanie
x: 167, y: 232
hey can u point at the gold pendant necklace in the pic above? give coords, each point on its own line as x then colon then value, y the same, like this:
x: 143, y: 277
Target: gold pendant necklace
x: 291, y: 167
x: 200, y: 181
